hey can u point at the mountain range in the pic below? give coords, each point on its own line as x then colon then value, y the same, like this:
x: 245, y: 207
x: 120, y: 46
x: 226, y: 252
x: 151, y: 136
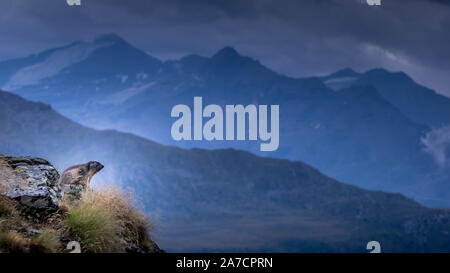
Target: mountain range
x: 378, y: 130
x: 420, y: 104
x: 225, y: 199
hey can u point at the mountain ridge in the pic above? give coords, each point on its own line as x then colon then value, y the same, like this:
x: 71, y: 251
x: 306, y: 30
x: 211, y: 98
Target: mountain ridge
x: 325, y: 128
x: 419, y: 103
x: 201, y: 196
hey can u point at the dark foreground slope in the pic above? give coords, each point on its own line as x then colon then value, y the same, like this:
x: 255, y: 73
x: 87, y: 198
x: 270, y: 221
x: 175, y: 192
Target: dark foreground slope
x: 227, y: 199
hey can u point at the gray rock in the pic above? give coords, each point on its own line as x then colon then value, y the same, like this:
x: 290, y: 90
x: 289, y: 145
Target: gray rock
x: 32, y: 231
x: 31, y: 181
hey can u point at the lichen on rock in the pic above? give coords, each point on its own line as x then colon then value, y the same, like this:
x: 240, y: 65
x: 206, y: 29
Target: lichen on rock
x: 31, y: 181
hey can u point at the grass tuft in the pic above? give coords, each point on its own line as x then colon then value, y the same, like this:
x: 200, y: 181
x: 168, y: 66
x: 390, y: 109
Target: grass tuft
x: 46, y: 242
x: 105, y: 220
x: 12, y: 242
x: 6, y: 207
x: 94, y: 227
x: 133, y: 224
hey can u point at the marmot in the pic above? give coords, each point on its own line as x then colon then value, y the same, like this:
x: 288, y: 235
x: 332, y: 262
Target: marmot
x: 77, y: 178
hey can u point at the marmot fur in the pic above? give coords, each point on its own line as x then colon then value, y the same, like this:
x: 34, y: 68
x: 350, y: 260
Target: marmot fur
x: 80, y: 175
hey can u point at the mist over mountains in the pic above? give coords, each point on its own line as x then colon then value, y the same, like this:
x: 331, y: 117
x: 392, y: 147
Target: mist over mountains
x: 378, y: 130
x: 228, y: 200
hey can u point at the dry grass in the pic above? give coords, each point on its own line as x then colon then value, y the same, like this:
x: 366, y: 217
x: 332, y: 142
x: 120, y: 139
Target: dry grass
x: 9, y: 216
x: 14, y: 236
x: 46, y: 242
x: 12, y: 242
x: 103, y: 217
x: 93, y: 227
x: 65, y: 205
x: 133, y: 224
x: 6, y: 207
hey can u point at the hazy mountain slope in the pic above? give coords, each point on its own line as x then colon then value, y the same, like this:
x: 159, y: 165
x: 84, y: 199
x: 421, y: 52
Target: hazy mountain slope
x: 227, y: 199
x: 421, y: 104
x: 417, y: 102
x: 366, y: 140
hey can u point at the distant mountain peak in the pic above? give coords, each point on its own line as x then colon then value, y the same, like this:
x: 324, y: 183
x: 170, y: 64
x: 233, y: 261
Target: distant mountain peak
x: 346, y: 72
x: 109, y: 37
x: 226, y: 52
x: 381, y: 72
x: 378, y: 70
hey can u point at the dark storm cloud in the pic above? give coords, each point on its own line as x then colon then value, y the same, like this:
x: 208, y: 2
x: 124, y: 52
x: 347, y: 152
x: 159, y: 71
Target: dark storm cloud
x: 292, y: 37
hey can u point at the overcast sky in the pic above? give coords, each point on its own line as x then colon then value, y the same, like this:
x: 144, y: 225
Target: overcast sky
x: 297, y: 38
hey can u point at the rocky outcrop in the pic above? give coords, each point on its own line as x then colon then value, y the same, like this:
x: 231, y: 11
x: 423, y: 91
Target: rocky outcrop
x: 31, y: 207
x: 31, y: 181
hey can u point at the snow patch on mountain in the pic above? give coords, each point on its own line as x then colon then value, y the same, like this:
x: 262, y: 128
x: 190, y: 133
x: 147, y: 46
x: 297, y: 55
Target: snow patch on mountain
x: 51, y: 66
x: 123, y: 95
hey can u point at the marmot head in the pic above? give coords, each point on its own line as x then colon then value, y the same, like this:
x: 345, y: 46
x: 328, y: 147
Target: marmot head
x: 94, y: 167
